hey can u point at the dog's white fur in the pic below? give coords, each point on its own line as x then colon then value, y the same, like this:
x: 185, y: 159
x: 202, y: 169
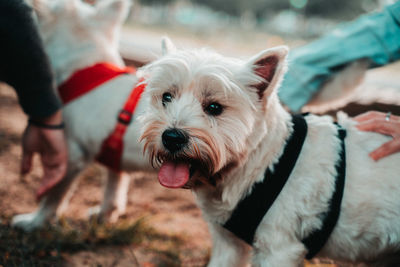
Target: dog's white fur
x: 238, y: 145
x: 77, y: 35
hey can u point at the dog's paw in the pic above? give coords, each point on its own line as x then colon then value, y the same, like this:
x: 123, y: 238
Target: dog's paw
x: 94, y: 213
x: 28, y: 221
x: 104, y: 216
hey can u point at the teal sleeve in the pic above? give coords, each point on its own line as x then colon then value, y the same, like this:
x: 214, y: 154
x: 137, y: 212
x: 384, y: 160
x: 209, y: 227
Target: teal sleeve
x: 375, y: 37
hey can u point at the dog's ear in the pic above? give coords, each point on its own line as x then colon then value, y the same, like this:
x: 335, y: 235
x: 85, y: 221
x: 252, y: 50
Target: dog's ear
x: 41, y: 7
x: 270, y: 66
x: 68, y: 6
x: 167, y: 46
x: 46, y: 9
x: 113, y: 12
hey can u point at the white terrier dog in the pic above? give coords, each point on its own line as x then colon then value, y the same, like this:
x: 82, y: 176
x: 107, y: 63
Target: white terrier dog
x: 76, y: 36
x: 215, y: 125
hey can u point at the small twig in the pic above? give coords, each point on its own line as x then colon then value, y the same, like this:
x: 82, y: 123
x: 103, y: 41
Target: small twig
x: 135, y: 260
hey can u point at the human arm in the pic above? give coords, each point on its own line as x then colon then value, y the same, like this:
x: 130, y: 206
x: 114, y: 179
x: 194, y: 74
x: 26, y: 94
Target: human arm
x: 24, y: 66
x: 23, y: 62
x: 374, y: 37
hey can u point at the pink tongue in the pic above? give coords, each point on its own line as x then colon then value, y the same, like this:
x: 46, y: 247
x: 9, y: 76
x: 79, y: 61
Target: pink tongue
x: 173, y: 175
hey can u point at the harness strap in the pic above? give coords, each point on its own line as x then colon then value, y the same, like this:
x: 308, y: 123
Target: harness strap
x: 251, y: 210
x: 111, y: 150
x: 84, y: 80
x: 317, y: 239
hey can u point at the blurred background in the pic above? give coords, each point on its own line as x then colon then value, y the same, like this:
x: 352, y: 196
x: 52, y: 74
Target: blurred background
x: 237, y: 26
x: 164, y: 227
x: 243, y: 28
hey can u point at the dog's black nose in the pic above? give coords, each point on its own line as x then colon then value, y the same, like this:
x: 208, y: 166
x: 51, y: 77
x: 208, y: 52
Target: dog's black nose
x: 174, y: 139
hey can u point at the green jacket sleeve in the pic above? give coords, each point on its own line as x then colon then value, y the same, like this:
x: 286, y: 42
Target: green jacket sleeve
x: 375, y: 36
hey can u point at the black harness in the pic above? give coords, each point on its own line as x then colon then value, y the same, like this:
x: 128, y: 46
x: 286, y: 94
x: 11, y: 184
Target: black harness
x: 251, y: 210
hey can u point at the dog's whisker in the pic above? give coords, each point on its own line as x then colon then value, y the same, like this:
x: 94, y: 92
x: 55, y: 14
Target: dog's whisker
x: 196, y: 149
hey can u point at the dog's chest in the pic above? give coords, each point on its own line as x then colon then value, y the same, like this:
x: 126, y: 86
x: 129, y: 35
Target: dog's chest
x: 308, y: 190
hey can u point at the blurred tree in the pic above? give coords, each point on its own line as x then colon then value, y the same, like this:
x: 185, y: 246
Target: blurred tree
x: 338, y: 9
x: 156, y: 2
x: 342, y: 9
x: 231, y: 7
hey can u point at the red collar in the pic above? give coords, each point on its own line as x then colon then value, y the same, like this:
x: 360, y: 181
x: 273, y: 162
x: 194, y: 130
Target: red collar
x: 84, y: 80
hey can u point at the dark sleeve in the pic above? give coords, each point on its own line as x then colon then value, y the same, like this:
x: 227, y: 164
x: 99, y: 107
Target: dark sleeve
x: 23, y: 62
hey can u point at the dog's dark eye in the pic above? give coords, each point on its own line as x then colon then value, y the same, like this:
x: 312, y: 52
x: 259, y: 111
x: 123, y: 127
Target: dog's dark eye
x: 166, y: 97
x: 214, y: 109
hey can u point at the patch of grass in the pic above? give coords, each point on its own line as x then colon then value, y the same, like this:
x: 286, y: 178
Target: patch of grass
x: 172, y: 251
x: 52, y: 246
x: 46, y: 247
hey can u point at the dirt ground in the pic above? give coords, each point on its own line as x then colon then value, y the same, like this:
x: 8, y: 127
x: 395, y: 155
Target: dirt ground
x: 182, y: 238
x: 171, y: 212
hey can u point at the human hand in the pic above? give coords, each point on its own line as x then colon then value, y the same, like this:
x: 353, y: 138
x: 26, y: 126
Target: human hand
x: 375, y: 121
x: 52, y: 148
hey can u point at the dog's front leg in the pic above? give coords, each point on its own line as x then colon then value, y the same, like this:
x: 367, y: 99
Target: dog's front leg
x: 56, y: 200
x: 52, y: 204
x: 278, y: 252
x: 115, y: 197
x: 227, y: 250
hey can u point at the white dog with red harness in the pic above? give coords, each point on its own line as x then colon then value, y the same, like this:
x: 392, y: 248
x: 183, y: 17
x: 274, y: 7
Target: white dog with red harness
x: 101, y: 96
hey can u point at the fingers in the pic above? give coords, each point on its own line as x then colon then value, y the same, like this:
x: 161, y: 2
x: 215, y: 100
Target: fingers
x: 55, y: 168
x: 374, y: 115
x: 27, y: 151
x: 378, y: 126
x: 26, y: 163
x: 379, y: 122
x: 50, y: 179
x: 46, y: 186
x: 386, y: 149
x: 54, y: 158
x: 368, y: 116
x: 42, y: 190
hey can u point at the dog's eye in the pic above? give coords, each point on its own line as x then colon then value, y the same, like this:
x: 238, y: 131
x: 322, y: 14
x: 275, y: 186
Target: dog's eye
x: 214, y: 109
x: 166, y: 97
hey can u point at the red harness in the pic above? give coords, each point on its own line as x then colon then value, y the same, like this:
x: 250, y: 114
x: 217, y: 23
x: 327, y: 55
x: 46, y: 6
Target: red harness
x: 85, y: 80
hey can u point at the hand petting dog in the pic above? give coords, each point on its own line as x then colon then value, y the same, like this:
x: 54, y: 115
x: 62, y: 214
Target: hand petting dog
x: 46, y: 138
x: 387, y: 124
x: 90, y: 50
x: 22, y: 49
